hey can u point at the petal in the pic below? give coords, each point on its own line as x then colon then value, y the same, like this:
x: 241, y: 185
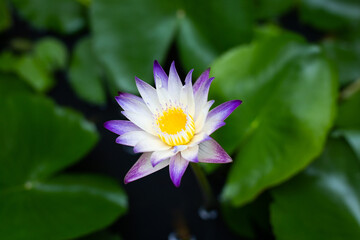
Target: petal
x: 201, y: 116
x: 179, y: 148
x: 130, y: 102
x: 141, y: 120
x: 150, y: 143
x: 216, y: 116
x: 198, y: 138
x: 143, y: 168
x: 131, y: 138
x: 201, y: 96
x: 187, y: 95
x: 159, y: 156
x: 174, y: 83
x: 164, y: 97
x: 177, y: 167
x: 200, y: 81
x: 160, y: 77
x: 121, y: 126
x: 191, y: 154
x: 211, y: 152
x: 149, y: 95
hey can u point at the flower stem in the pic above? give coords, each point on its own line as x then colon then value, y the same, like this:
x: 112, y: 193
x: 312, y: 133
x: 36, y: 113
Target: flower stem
x: 209, y: 199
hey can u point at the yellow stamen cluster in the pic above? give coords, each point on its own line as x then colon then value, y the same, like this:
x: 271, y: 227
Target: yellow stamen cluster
x: 175, y: 127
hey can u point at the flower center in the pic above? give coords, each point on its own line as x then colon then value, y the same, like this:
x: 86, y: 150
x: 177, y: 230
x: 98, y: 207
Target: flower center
x: 175, y: 127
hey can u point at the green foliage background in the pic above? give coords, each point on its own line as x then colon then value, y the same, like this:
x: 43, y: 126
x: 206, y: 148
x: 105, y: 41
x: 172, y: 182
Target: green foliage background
x: 295, y: 140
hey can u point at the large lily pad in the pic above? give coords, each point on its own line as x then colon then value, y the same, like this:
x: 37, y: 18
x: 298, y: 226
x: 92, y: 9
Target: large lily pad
x: 288, y: 91
x: 128, y: 38
x: 38, y: 140
x: 348, y: 121
x: 5, y: 16
x: 36, y: 67
x: 323, y: 202
x: 85, y: 73
x: 60, y: 208
x: 63, y: 16
x: 331, y: 14
x: 346, y: 56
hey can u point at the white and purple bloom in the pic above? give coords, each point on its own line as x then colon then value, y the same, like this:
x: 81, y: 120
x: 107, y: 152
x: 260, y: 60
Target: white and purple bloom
x: 171, y: 125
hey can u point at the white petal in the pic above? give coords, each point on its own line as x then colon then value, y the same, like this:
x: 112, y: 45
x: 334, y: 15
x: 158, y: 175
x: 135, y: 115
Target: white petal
x: 159, y: 156
x: 187, y: 95
x: 130, y: 102
x: 149, y: 95
x: 160, y: 77
x: 198, y: 138
x: 121, y: 126
x: 201, y: 96
x: 141, y: 120
x: 143, y: 168
x: 191, y: 153
x: 211, y: 152
x: 174, y: 84
x: 164, y: 97
x: 131, y: 138
x: 150, y: 143
x: 201, y: 116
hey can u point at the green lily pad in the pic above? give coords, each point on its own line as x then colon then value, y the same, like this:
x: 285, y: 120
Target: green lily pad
x: 85, y: 74
x: 128, y: 38
x: 331, y: 14
x: 34, y: 73
x: 249, y: 220
x: 346, y: 56
x: 63, y: 207
x: 5, y: 16
x: 348, y: 121
x: 8, y: 61
x: 321, y: 203
x: 102, y: 235
x: 37, y: 66
x: 208, y: 28
x: 10, y: 84
x: 51, y: 52
x: 272, y: 8
x: 63, y: 16
x: 38, y: 140
x: 288, y: 90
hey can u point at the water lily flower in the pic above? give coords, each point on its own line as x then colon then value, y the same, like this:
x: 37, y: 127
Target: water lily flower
x: 171, y: 125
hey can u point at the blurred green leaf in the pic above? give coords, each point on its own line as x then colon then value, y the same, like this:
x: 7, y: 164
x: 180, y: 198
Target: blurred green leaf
x: 8, y: 61
x: 85, y: 74
x: 348, y: 121
x: 323, y: 202
x: 248, y: 220
x: 5, y: 16
x: 34, y: 73
x: 39, y: 139
x: 63, y: 16
x: 346, y: 55
x: 10, y: 84
x: 331, y: 14
x: 130, y: 35
x: 208, y: 28
x: 51, y: 52
x: 50, y: 138
x: 128, y: 38
x: 63, y: 207
x: 272, y: 8
x: 289, y: 93
x: 36, y: 67
x: 102, y: 235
